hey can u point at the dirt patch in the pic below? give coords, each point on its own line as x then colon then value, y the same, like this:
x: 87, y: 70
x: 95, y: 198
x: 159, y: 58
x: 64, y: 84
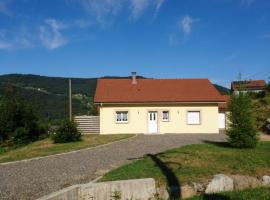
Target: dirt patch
x: 264, y: 137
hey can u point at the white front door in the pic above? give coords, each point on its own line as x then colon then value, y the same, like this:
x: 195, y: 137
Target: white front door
x: 152, y: 122
x: 221, y: 120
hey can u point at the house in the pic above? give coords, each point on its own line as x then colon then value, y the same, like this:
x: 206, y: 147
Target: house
x: 248, y: 86
x: 151, y: 106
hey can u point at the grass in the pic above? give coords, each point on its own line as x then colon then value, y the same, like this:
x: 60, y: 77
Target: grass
x: 249, y: 194
x: 196, y: 163
x: 46, y: 147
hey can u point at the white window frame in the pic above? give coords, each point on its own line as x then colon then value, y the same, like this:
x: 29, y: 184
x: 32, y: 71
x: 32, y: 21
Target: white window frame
x: 168, y: 119
x: 194, y: 111
x: 121, y: 121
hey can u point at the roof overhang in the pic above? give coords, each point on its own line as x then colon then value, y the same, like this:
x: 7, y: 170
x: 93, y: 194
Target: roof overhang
x: 158, y: 102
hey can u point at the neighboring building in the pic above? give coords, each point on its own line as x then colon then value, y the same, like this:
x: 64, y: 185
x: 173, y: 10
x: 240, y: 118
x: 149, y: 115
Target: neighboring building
x: 248, y: 86
x: 152, y: 106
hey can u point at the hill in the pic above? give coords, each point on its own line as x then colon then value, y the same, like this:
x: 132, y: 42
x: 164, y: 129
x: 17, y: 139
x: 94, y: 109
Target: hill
x: 222, y: 90
x: 52, y: 85
x: 46, y: 105
x: 49, y: 95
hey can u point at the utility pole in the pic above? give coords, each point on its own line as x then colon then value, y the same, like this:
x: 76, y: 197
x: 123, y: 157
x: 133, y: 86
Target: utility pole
x: 70, y: 100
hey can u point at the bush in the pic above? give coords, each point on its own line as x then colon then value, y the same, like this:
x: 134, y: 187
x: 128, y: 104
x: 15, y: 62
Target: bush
x: 242, y: 131
x: 21, y: 136
x: 66, y: 132
x: 43, y: 129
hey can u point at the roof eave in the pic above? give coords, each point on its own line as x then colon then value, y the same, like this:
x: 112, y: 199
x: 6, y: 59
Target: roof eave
x: 158, y: 102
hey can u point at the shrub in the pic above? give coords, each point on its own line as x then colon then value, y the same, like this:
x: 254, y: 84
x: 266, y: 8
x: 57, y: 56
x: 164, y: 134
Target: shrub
x: 66, y: 132
x: 21, y: 136
x: 242, y: 132
x: 43, y: 128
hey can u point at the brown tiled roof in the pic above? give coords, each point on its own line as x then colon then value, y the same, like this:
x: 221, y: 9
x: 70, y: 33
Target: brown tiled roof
x: 224, y: 106
x: 156, y: 90
x: 248, y: 85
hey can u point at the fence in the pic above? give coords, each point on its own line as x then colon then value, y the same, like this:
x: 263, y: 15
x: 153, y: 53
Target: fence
x: 88, y: 124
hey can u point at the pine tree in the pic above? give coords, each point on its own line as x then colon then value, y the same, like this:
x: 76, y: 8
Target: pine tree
x: 242, y: 132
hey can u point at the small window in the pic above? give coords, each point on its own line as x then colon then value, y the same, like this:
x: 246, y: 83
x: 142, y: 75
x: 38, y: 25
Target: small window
x: 165, y: 116
x: 122, y: 116
x: 193, y: 118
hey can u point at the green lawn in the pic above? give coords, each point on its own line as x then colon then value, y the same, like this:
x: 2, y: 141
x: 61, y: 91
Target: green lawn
x: 46, y: 147
x: 249, y: 194
x: 196, y: 163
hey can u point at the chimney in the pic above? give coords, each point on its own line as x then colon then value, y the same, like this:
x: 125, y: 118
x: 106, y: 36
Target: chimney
x: 134, y: 79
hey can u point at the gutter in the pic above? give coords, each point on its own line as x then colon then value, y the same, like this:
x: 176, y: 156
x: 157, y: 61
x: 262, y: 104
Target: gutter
x: 181, y: 102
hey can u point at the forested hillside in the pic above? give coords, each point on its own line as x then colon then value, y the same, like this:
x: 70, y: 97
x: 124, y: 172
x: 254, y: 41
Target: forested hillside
x: 222, y: 90
x: 52, y: 85
x: 46, y: 105
x: 49, y: 95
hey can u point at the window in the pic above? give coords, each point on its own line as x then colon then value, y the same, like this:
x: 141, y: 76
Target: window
x: 193, y: 118
x: 122, y: 116
x: 165, y: 116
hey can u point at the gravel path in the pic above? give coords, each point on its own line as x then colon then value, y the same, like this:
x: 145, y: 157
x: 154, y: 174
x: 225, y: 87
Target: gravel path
x: 35, y: 178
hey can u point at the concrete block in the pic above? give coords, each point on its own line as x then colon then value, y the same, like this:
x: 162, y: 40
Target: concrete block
x: 142, y: 189
x: 70, y: 193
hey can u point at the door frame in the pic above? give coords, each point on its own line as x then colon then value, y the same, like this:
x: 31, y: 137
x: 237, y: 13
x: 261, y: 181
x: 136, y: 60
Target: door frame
x: 225, y: 121
x: 147, y: 118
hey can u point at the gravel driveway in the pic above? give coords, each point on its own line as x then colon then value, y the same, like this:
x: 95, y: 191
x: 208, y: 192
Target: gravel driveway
x: 35, y: 178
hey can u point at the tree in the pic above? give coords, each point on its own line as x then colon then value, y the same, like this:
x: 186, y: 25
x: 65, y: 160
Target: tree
x: 268, y: 87
x: 242, y: 132
x: 93, y: 110
x: 18, y: 124
x: 9, y: 115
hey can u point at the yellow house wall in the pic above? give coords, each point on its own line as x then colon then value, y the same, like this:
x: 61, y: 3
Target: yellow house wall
x: 138, y: 119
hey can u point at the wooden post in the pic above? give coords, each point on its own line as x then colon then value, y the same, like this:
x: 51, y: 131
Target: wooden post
x: 70, y: 101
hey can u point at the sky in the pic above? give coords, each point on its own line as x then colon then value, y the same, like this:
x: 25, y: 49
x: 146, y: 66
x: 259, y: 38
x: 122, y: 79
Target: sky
x: 215, y: 39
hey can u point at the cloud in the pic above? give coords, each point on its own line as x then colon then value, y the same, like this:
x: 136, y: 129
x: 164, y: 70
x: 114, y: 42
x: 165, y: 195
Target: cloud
x: 137, y: 7
x: 4, y: 8
x: 15, y: 39
x: 105, y: 10
x: 15, y: 43
x: 186, y: 24
x: 102, y: 9
x: 50, y: 34
x: 159, y: 3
